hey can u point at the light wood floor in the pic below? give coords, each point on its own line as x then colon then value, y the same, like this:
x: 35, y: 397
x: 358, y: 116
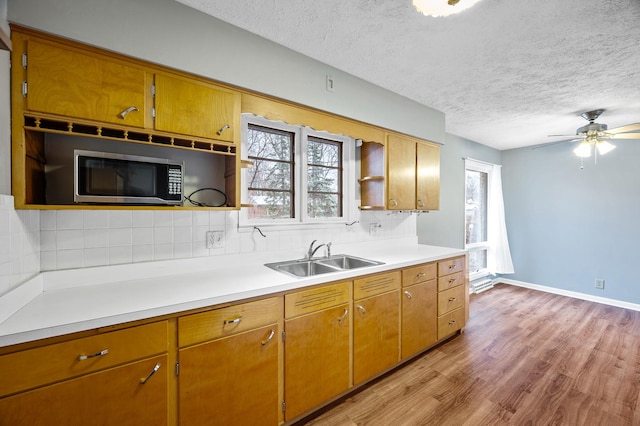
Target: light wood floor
x: 525, y: 358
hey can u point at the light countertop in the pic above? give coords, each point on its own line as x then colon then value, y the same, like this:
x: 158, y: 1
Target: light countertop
x: 61, y: 302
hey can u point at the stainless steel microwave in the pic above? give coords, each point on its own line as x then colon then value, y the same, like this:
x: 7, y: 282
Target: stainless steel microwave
x: 109, y: 178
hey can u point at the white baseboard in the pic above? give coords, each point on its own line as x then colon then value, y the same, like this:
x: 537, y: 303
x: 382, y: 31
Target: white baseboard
x: 574, y: 294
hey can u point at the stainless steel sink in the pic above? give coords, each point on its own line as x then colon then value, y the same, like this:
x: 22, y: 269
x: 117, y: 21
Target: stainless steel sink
x: 324, y: 265
x: 347, y: 262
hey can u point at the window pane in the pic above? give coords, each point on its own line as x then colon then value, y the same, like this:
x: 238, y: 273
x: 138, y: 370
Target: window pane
x: 322, y: 179
x: 269, y: 143
x: 267, y: 174
x: 270, y: 205
x: 323, y: 205
x: 476, y: 207
x: 323, y: 153
x: 477, y: 260
x: 270, y: 180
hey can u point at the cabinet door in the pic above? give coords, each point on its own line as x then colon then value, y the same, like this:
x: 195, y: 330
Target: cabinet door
x: 111, y: 397
x: 401, y: 173
x: 316, y: 359
x: 427, y: 177
x: 196, y: 108
x: 73, y: 84
x: 419, y: 317
x: 231, y: 381
x: 375, y: 335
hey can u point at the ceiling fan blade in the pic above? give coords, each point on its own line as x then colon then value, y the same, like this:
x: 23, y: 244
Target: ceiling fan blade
x: 635, y: 127
x: 561, y: 136
x: 625, y: 136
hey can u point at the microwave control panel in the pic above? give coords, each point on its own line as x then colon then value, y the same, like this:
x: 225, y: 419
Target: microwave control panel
x: 175, y: 180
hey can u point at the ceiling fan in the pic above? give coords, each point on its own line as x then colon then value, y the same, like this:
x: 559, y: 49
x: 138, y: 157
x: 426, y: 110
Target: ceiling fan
x: 596, y: 135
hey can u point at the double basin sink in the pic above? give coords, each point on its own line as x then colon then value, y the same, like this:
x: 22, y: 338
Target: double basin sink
x: 322, y: 265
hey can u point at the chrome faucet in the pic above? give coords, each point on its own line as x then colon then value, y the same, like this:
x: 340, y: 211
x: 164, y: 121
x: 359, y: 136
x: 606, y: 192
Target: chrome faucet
x: 313, y: 250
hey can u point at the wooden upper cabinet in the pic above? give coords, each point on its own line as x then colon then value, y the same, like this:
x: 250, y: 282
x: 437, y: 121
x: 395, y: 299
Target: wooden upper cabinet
x: 401, y: 173
x: 69, y: 83
x: 196, y: 108
x: 413, y: 174
x: 427, y: 177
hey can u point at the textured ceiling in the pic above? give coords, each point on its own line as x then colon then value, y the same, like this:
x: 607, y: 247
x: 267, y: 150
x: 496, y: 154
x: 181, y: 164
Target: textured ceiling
x: 506, y: 73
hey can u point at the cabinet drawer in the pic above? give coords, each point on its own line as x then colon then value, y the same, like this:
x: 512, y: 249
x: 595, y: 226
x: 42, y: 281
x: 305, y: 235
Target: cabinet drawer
x: 450, y: 266
x: 315, y: 299
x: 449, y: 281
x: 376, y: 284
x: 450, y: 323
x: 451, y: 299
x: 47, y: 364
x: 209, y: 325
x: 419, y: 274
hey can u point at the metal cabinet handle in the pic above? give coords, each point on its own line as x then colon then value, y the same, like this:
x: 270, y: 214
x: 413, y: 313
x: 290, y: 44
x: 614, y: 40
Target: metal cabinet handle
x: 420, y: 203
x: 361, y: 309
x: 344, y: 315
x: 452, y: 299
x: 222, y: 129
x: 409, y: 296
x: 452, y: 322
x: 124, y: 113
x: 232, y: 321
x: 420, y: 275
x: 452, y: 266
x: 144, y: 379
x: 393, y: 202
x: 268, y: 339
x: 97, y: 354
x: 452, y: 280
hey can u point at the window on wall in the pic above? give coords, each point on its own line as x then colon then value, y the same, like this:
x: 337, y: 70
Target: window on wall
x: 299, y: 175
x: 477, y: 178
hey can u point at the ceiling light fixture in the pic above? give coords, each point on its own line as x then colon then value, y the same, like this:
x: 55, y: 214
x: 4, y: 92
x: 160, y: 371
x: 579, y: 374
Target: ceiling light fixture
x: 437, y: 8
x: 602, y: 146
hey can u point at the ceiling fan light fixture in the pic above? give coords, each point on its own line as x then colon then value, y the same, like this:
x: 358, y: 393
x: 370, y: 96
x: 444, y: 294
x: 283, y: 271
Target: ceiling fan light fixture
x: 583, y: 150
x: 438, y: 8
x: 604, y: 146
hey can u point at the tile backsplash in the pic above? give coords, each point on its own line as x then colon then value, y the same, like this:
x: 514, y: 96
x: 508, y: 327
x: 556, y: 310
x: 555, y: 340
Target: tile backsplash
x: 85, y: 238
x: 19, y: 244
x: 32, y: 241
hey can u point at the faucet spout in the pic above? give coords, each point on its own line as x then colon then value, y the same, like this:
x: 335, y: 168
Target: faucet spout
x: 312, y: 250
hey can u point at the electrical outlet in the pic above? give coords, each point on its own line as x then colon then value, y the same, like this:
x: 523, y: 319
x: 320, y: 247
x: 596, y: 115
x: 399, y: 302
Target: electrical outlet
x: 599, y: 283
x: 215, y: 239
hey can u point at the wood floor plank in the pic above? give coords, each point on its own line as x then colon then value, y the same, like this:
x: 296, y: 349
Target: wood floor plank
x: 526, y: 358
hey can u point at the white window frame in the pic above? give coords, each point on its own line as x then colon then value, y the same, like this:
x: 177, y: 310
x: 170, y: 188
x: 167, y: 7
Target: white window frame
x: 301, y: 133
x: 486, y: 245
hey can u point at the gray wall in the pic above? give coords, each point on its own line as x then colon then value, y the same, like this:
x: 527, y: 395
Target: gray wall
x: 569, y: 226
x: 169, y: 33
x: 446, y: 226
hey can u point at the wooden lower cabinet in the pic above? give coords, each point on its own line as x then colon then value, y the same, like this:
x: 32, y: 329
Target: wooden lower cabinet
x: 111, y: 397
x: 230, y: 381
x: 419, y: 317
x: 316, y: 359
x: 376, y: 335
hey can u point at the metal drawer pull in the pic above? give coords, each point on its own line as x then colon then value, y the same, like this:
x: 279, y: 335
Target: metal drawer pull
x: 452, y: 322
x: 420, y: 203
x: 420, y: 275
x: 452, y: 266
x: 222, y: 129
x: 409, y: 296
x: 268, y: 339
x: 232, y: 321
x: 452, y: 280
x: 124, y: 113
x: 344, y: 315
x: 452, y: 299
x: 156, y: 368
x: 101, y: 353
x: 361, y: 309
